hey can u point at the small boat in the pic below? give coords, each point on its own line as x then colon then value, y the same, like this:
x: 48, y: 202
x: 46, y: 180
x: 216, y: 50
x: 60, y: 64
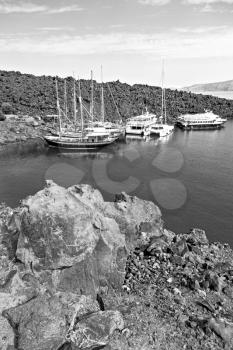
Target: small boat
x: 141, y: 124
x: 161, y: 130
x: 207, y: 120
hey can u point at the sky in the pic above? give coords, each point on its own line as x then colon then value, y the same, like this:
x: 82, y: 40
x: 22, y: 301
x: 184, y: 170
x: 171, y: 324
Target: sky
x: 130, y: 38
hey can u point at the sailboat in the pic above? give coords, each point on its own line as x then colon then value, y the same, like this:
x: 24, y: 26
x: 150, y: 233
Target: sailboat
x: 77, y: 139
x: 162, y: 128
x: 102, y: 127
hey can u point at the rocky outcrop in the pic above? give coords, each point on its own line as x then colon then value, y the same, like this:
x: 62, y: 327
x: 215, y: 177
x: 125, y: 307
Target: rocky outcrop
x: 79, y: 247
x: 60, y: 251
x: 21, y: 130
x: 71, y: 265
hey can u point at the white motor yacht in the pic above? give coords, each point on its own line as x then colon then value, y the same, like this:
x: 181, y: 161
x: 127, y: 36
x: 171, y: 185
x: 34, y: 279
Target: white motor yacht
x: 140, y: 125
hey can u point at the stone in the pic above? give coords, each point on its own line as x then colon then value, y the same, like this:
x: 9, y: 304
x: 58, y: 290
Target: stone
x: 228, y: 290
x: 135, y: 216
x: 61, y: 233
x: 156, y: 245
x: 180, y: 247
x: 215, y: 282
x: 222, y: 329
x: 94, y: 331
x: 14, y: 290
x: 7, y: 336
x: 43, y: 322
x: 197, y: 237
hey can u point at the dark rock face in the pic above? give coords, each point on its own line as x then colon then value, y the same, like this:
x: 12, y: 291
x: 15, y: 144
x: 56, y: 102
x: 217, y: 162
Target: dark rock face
x: 59, y: 251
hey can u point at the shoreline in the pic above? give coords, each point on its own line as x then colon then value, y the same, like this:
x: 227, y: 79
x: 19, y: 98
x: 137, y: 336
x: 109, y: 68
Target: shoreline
x: 21, y: 131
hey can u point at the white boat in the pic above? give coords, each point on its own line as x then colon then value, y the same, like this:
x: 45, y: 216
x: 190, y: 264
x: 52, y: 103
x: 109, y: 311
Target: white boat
x: 161, y: 128
x: 140, y: 124
x: 100, y: 128
x: 207, y: 120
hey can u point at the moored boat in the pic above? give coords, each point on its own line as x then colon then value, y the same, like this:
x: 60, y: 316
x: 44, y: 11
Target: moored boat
x: 140, y: 125
x: 79, y: 138
x: 101, y: 126
x: 89, y: 142
x: 207, y: 120
x: 162, y: 128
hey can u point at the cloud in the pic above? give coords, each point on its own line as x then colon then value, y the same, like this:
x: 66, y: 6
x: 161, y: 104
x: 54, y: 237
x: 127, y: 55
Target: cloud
x: 71, y: 8
x: 200, y: 30
x: 23, y: 7
x: 182, y: 43
x: 154, y: 2
x: 54, y: 29
x: 8, y: 7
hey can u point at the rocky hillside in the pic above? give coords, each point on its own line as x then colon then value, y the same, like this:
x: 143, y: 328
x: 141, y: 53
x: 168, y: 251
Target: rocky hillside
x: 33, y: 95
x: 220, y: 86
x: 78, y: 273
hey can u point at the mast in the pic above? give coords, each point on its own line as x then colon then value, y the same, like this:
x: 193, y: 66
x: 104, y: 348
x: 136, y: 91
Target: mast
x: 81, y: 105
x: 102, y: 95
x: 165, y: 109
x: 65, y: 99
x: 164, y: 112
x: 75, y: 104
x: 58, y: 108
x: 92, y: 98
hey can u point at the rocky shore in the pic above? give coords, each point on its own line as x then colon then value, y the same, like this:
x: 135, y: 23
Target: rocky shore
x: 79, y: 273
x: 21, y: 130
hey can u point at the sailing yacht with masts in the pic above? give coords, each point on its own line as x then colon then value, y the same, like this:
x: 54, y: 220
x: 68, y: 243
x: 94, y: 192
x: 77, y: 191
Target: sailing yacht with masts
x: 77, y: 139
x: 162, y: 128
x: 102, y: 126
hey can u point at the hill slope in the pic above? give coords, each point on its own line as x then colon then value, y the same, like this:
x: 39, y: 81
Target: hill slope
x: 220, y: 86
x: 36, y: 96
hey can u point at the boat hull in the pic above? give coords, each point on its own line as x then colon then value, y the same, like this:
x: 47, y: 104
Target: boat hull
x: 77, y: 145
x: 129, y: 131
x: 200, y: 127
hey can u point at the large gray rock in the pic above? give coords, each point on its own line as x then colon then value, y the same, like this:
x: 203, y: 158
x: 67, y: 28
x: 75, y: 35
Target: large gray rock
x: 57, y: 251
x: 43, y: 322
x: 94, y: 331
x: 81, y: 247
x: 136, y: 218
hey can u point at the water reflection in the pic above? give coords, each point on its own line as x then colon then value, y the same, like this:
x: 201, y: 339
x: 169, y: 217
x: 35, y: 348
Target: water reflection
x: 17, y: 150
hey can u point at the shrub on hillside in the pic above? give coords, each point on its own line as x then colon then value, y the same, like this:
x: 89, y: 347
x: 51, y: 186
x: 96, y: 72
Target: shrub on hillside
x: 2, y: 116
x: 32, y: 95
x: 7, y: 108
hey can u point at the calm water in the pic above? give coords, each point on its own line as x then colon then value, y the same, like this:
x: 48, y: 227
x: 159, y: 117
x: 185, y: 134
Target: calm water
x: 189, y: 175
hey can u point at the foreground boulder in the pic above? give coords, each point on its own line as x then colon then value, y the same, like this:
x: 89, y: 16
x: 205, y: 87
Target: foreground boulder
x: 59, y: 252
x: 82, y: 248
